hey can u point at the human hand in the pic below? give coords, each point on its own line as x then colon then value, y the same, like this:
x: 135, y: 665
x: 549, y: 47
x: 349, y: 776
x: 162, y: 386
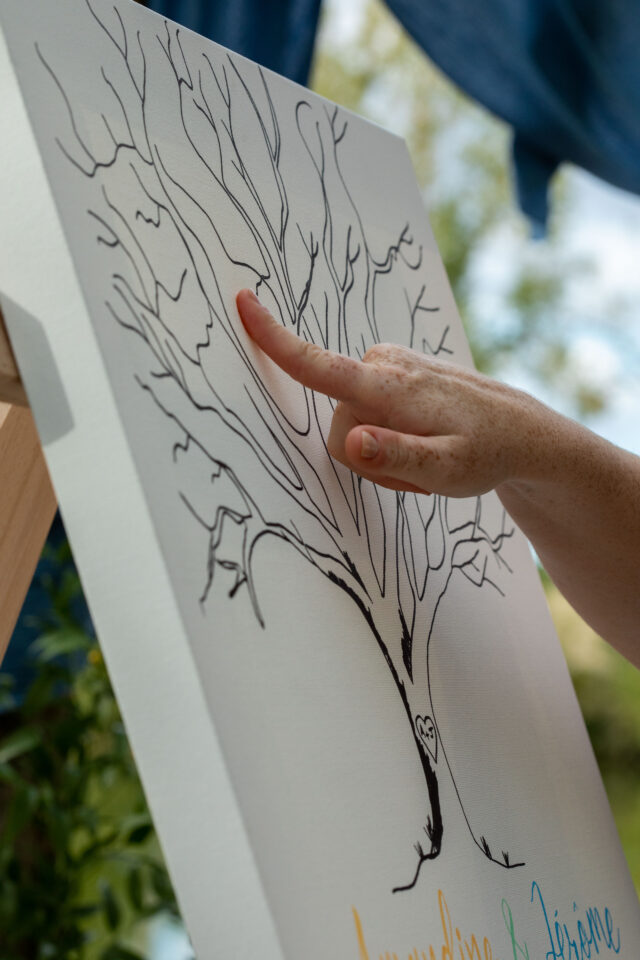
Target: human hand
x: 409, y: 421
x: 412, y: 422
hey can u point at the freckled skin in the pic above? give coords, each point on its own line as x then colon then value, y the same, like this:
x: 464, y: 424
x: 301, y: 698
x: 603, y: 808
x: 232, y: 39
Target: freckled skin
x: 444, y: 429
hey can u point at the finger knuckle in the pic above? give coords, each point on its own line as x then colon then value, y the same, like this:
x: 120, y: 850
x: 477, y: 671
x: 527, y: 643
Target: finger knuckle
x: 310, y: 352
x: 307, y: 354
x: 377, y: 353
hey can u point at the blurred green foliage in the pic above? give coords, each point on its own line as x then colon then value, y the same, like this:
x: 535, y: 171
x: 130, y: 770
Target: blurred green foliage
x: 608, y: 690
x: 80, y: 868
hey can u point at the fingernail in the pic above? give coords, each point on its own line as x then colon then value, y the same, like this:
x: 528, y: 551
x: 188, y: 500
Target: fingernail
x: 253, y: 296
x: 368, y: 445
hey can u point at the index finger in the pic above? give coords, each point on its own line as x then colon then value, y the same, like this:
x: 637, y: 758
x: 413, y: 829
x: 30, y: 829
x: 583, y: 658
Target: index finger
x: 330, y: 373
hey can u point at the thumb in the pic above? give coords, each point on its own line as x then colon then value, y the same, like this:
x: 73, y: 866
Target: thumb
x: 419, y: 461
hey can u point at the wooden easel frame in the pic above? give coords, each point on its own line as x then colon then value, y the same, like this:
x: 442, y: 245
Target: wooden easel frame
x: 27, y: 500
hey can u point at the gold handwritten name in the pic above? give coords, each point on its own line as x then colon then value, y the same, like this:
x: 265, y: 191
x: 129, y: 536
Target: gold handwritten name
x: 454, y: 947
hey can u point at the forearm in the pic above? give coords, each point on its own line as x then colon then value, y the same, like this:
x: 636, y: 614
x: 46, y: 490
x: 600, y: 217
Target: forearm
x: 578, y: 501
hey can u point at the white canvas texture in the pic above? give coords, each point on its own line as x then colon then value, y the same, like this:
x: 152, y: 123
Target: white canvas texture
x: 351, y: 713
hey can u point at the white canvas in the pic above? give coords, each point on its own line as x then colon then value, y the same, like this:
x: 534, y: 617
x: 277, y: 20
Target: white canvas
x: 350, y: 711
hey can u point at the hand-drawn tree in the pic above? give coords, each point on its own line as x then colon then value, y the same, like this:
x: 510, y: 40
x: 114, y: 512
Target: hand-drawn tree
x: 200, y: 188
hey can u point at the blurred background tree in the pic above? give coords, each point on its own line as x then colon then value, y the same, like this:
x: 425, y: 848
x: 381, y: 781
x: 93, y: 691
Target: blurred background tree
x: 82, y: 874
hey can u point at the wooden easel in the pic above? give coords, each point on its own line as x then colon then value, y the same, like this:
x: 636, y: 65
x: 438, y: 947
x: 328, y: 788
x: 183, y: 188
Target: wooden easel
x: 27, y: 500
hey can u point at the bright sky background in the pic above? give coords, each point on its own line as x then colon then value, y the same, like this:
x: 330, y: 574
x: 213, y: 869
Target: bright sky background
x: 169, y: 941
x: 602, y: 305
x: 605, y: 225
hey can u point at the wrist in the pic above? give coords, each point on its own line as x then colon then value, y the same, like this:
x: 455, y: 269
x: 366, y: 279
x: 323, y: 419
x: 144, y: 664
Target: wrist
x: 547, y: 448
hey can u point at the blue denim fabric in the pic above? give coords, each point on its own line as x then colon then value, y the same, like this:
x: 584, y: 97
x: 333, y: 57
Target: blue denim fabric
x: 279, y: 34
x: 565, y: 74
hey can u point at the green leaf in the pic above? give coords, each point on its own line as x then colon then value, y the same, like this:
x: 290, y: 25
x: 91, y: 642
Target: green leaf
x: 85, y: 909
x: 9, y: 775
x: 68, y: 589
x: 135, y: 888
x: 104, y: 841
x: 116, y: 952
x: 18, y: 815
x: 59, y: 827
x: 60, y: 643
x: 7, y: 699
x: 110, y: 906
x: 140, y: 834
x: 45, y: 688
x: 161, y: 884
x: 18, y: 743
